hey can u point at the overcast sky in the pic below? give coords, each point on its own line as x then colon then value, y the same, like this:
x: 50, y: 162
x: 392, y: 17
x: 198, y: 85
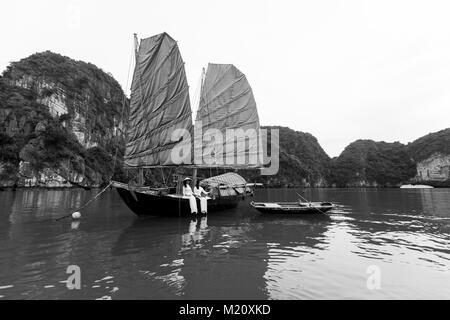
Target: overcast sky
x: 341, y: 70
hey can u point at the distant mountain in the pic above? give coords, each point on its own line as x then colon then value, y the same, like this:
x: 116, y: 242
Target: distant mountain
x: 59, y: 122
x: 363, y: 163
x: 370, y: 163
x: 303, y: 162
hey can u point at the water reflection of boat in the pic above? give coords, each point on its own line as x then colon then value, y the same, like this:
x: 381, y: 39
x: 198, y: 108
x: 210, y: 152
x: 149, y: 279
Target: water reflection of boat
x: 193, y: 258
x: 214, y: 257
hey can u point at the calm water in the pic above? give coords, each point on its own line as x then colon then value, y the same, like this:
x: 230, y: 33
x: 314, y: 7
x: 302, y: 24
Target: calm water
x: 403, y: 234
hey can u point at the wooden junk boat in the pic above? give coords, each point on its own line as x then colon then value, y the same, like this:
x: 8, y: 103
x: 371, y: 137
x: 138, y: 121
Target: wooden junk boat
x: 227, y: 190
x: 293, y: 207
x: 160, y: 106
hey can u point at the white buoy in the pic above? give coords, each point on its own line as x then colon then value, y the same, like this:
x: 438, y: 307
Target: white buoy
x: 76, y: 215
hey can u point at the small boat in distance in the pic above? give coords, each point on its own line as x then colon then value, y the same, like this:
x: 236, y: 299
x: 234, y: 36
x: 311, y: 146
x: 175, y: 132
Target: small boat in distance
x: 293, y: 207
x: 415, y: 186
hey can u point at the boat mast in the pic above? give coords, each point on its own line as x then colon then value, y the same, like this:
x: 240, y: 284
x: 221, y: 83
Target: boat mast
x: 140, y: 176
x: 136, y: 44
x: 194, y: 173
x: 203, y: 81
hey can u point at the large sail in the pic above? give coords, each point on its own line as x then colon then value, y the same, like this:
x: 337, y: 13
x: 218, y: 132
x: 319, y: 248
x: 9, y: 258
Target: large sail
x: 159, y: 103
x: 227, y: 105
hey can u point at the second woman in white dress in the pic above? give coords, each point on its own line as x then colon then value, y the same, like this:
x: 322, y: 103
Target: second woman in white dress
x: 200, y: 193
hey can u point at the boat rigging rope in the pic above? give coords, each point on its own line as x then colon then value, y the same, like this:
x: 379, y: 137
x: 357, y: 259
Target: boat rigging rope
x: 164, y: 179
x: 122, y: 115
x: 197, y: 97
x: 86, y: 204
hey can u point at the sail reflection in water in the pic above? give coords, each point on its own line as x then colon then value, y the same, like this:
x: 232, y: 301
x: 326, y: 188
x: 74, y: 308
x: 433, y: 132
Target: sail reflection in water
x: 237, y: 253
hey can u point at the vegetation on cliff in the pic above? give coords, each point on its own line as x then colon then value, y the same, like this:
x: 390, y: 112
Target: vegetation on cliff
x: 363, y: 163
x: 424, y: 147
x: 30, y: 133
x: 303, y: 162
x: 76, y: 76
x: 19, y: 116
x: 370, y: 163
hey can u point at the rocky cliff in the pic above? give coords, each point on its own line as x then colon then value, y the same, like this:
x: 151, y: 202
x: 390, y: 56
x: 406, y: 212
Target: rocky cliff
x: 434, y: 168
x: 432, y: 156
x: 59, y: 123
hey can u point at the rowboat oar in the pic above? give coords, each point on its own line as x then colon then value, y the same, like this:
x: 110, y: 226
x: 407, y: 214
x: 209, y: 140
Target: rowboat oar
x: 303, y: 198
x: 309, y: 202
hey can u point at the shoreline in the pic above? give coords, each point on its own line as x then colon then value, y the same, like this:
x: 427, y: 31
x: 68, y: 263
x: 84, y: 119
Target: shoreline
x: 6, y: 189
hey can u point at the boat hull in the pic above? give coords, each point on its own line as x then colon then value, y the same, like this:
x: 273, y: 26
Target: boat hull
x: 146, y: 203
x: 292, y: 208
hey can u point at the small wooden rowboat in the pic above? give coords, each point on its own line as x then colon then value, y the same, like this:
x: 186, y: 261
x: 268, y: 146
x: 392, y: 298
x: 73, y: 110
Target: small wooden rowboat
x: 293, y: 207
